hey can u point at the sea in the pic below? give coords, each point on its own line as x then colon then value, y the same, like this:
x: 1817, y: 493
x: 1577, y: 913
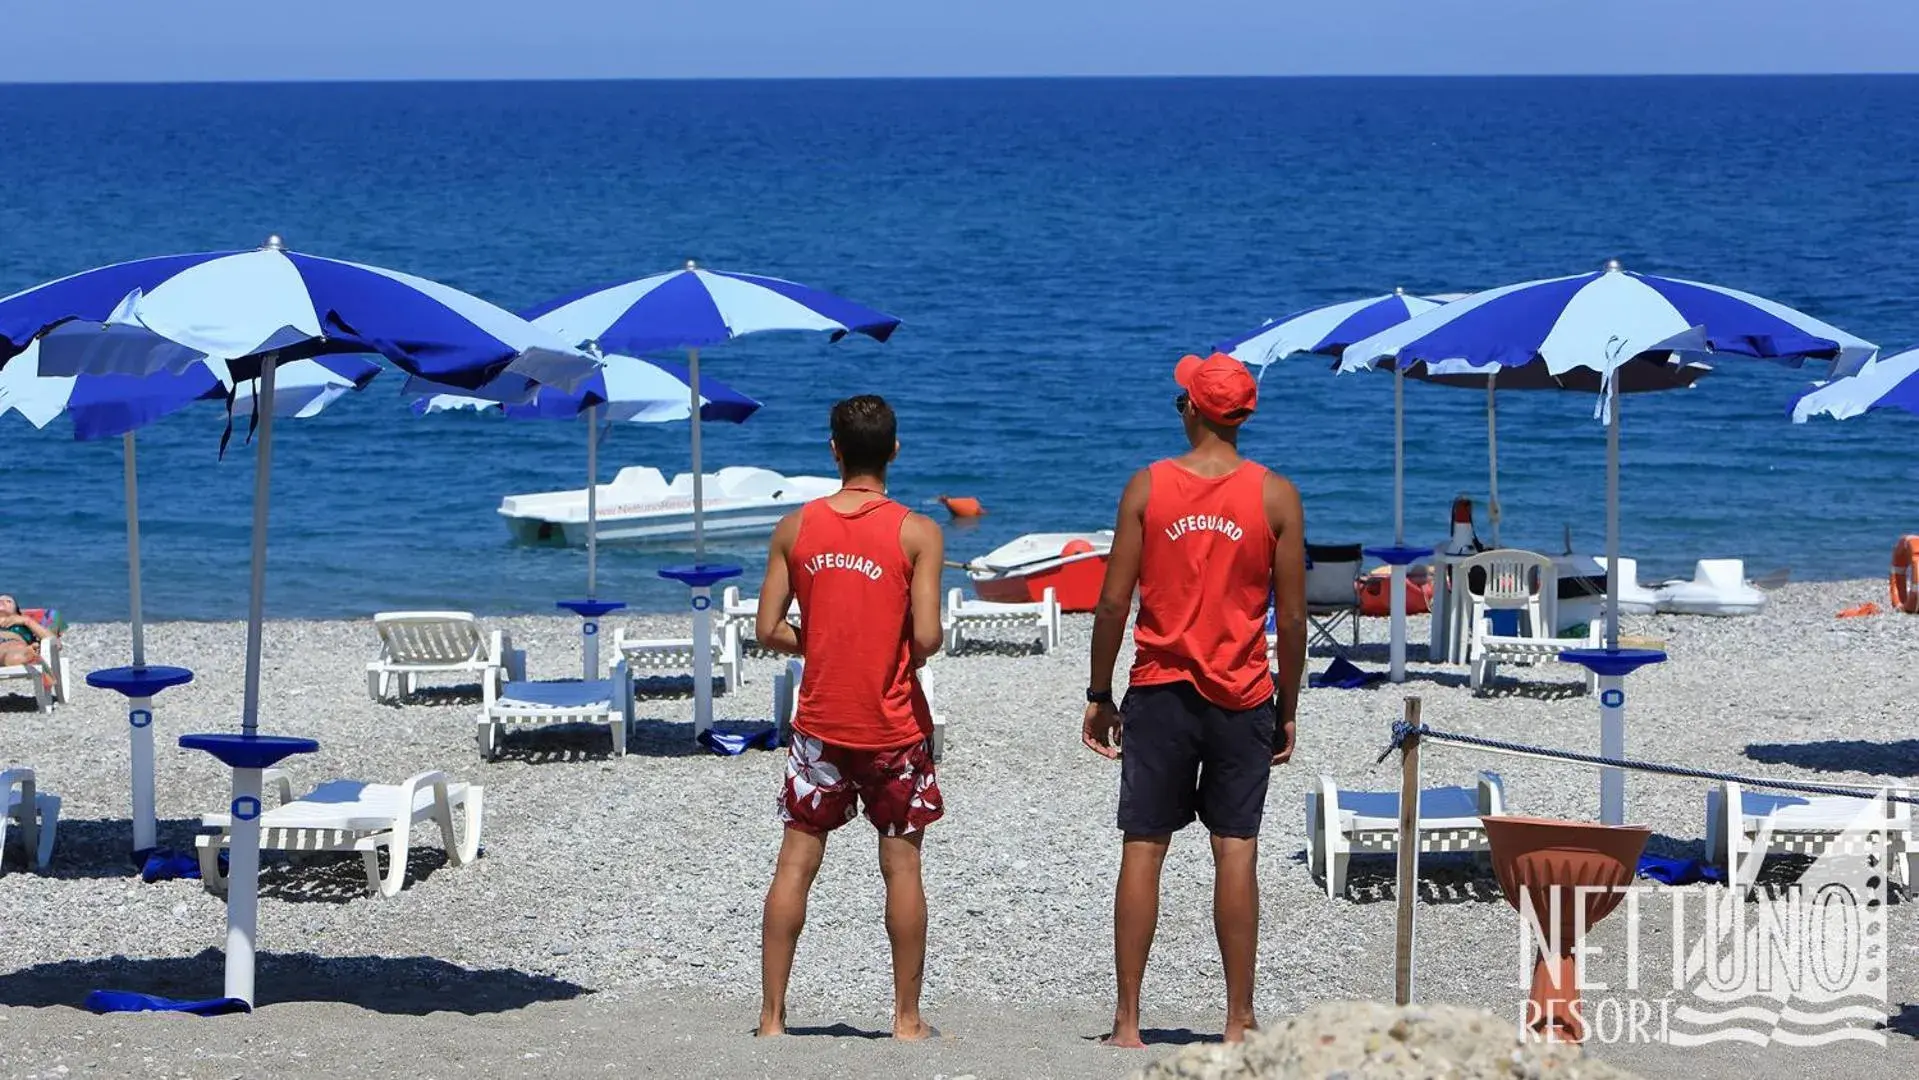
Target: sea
x: 1053, y: 247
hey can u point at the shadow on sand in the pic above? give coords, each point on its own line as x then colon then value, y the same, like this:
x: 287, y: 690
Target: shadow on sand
x: 410, y: 985
x: 1897, y: 758
x: 102, y: 847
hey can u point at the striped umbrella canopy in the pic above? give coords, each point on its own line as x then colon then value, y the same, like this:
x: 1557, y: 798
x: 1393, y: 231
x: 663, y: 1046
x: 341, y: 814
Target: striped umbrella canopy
x: 242, y: 314
x: 1600, y: 322
x: 626, y: 389
x: 152, y: 315
x: 688, y: 309
x: 1325, y: 330
x: 1891, y: 382
x: 102, y: 406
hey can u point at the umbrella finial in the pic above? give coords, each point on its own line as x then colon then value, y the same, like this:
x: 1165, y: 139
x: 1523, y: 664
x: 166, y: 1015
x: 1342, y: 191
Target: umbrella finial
x: 691, y: 265
x: 1399, y: 290
x: 274, y: 243
x: 1613, y: 266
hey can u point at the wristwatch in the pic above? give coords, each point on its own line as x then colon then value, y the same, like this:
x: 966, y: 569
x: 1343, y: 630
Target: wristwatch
x: 1099, y: 697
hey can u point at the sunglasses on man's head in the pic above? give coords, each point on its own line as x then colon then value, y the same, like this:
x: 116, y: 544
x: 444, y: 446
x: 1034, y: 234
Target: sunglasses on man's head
x: 1181, y: 402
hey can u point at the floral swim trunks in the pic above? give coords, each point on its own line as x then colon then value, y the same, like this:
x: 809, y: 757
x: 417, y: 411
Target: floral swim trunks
x: 825, y: 786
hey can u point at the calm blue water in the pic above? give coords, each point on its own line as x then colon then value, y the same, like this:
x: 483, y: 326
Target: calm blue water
x: 1052, y: 245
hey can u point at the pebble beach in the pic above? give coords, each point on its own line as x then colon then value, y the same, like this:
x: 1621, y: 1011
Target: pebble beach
x: 611, y: 924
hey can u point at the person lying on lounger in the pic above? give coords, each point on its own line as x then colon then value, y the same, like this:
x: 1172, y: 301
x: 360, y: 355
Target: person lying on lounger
x: 20, y: 636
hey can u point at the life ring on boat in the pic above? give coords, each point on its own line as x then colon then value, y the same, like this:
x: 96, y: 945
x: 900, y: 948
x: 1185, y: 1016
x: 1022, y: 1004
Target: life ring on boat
x: 1903, y: 583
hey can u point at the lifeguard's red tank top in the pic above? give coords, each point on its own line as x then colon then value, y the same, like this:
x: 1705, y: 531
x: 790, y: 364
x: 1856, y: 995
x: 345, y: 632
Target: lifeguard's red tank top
x: 854, y: 584
x: 1205, y: 575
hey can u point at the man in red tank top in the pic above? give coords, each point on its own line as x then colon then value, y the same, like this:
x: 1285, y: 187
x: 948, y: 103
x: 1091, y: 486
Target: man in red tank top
x: 1208, y: 538
x: 866, y: 573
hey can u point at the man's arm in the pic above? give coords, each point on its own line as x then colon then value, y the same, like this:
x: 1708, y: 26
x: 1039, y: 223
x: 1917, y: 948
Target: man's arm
x: 925, y: 548
x: 1288, y: 521
x: 1109, y: 616
x: 776, y: 591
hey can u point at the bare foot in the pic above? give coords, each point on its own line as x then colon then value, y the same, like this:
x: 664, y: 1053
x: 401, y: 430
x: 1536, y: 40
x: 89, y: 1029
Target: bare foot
x: 1124, y: 1038
x: 770, y: 1026
x: 1237, y: 1030
x: 914, y: 1030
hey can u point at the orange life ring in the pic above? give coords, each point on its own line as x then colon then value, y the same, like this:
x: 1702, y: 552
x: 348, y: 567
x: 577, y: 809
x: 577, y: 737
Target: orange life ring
x: 1903, y: 582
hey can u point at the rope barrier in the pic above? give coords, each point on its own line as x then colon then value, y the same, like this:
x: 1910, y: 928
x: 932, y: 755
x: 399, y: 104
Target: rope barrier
x: 1403, y: 730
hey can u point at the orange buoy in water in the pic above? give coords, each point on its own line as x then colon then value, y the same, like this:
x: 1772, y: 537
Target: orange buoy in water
x: 962, y: 506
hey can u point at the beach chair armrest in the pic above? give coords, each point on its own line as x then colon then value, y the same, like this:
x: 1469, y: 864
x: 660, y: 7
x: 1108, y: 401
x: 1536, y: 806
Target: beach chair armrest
x: 1492, y: 793
x: 281, y: 782
x: 21, y: 777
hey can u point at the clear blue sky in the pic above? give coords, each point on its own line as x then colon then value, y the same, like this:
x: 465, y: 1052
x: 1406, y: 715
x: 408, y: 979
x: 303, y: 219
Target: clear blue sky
x: 167, y: 40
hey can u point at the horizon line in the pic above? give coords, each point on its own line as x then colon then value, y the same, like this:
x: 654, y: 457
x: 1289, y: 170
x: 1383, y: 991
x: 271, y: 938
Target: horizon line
x: 1032, y: 77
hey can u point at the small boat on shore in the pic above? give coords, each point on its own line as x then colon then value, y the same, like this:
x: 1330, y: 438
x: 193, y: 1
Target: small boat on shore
x: 641, y: 507
x: 1072, y: 564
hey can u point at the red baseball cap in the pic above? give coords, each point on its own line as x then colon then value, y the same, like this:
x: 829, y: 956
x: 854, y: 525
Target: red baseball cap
x: 1220, y: 388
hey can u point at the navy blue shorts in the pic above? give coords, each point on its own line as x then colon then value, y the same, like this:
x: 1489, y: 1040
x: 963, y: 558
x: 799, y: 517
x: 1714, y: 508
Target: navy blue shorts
x: 1183, y: 757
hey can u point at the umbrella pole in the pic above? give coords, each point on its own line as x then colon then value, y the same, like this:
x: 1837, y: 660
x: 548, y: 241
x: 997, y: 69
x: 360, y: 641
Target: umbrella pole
x: 243, y: 873
x: 1492, y: 456
x: 139, y: 709
x: 1396, y: 649
x: 702, y: 598
x: 592, y: 504
x: 1612, y: 693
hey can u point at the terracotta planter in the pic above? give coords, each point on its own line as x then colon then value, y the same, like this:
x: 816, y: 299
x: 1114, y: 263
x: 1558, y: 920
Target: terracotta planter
x: 1539, y: 857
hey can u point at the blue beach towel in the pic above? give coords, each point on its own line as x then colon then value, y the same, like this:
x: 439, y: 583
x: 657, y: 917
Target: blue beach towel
x: 112, y: 1001
x: 1343, y: 674
x: 162, y: 864
x: 734, y: 743
x: 1670, y: 871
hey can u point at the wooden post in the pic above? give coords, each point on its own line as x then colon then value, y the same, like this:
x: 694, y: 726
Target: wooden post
x: 1408, y: 857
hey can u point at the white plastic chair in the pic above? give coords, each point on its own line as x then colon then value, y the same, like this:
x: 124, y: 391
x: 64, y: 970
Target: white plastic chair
x: 646, y: 657
x: 963, y: 617
x: 48, y: 676
x: 744, y: 612
x: 1332, y: 593
x: 348, y: 815
x: 606, y: 701
x: 1367, y: 822
x: 1516, y: 581
x: 33, y: 814
x: 416, y: 643
x: 1740, y: 823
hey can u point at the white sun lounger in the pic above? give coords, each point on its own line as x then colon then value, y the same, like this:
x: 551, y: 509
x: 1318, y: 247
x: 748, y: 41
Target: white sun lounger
x: 1738, y: 821
x: 606, y: 701
x: 743, y: 612
x: 963, y: 617
x: 348, y: 815
x: 1367, y: 822
x: 416, y: 643
x: 674, y: 656
x: 33, y: 815
x: 47, y: 676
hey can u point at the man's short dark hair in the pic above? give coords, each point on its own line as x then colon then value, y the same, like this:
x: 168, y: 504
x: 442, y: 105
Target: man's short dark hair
x: 865, y: 432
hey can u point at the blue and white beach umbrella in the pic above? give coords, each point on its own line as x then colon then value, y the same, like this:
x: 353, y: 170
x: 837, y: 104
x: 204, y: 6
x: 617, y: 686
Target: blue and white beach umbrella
x: 243, y: 314
x: 689, y: 309
x: 1890, y: 382
x: 625, y: 390
x: 1326, y: 331
x: 147, y: 316
x: 102, y: 406
x: 1600, y: 322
